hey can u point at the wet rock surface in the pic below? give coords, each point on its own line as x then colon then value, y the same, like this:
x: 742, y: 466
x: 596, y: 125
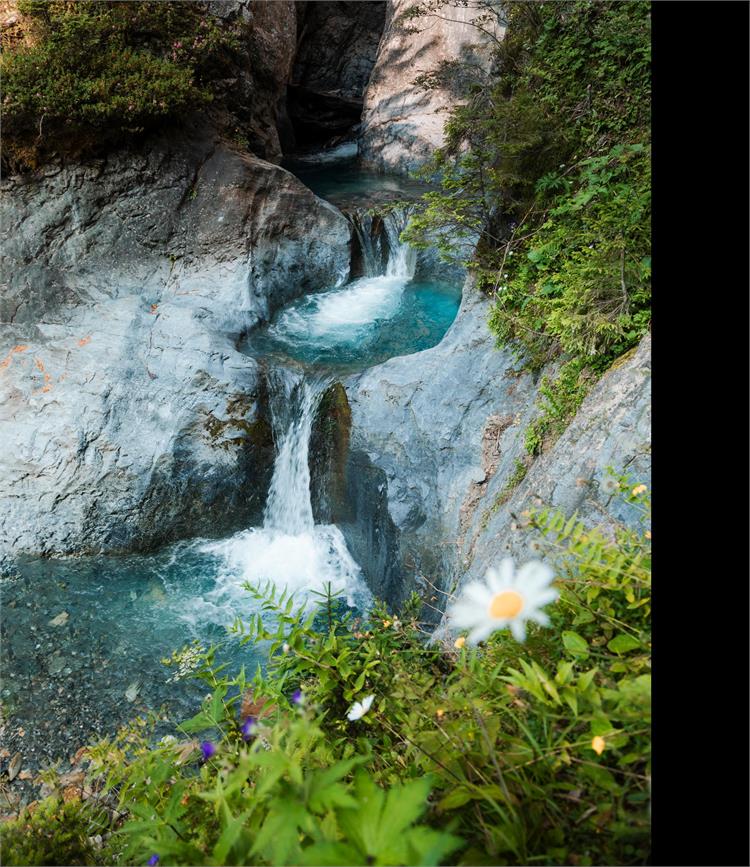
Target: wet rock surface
x: 129, y: 417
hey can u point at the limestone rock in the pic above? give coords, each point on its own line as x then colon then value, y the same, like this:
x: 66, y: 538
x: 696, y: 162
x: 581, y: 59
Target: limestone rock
x: 437, y: 436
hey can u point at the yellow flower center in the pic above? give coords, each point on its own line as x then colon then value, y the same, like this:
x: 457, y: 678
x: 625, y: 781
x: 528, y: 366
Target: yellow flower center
x: 506, y: 604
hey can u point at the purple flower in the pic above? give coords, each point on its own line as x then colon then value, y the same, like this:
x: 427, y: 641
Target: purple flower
x: 208, y: 749
x: 154, y: 859
x: 247, y: 728
x: 297, y: 696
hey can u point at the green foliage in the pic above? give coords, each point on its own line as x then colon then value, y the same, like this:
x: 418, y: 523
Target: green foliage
x: 506, y: 754
x: 558, y: 401
x: 89, y: 73
x: 53, y: 833
x: 545, y: 179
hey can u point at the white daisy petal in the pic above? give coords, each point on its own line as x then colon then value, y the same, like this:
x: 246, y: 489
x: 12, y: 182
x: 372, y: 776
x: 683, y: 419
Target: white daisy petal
x: 545, y: 597
x: 462, y: 615
x: 360, y: 708
x: 539, y: 617
x: 480, y: 633
x: 506, y: 572
x: 494, y: 581
x: 535, y: 574
x: 518, y: 628
x: 477, y: 593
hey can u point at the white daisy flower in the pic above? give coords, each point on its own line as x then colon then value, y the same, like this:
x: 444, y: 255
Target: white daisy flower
x: 506, y: 598
x: 360, y: 708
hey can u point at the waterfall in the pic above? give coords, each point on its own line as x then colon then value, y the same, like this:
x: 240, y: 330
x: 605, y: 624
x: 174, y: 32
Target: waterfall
x: 289, y: 508
x: 402, y: 259
x: 349, y: 315
x: 290, y: 549
x: 383, y: 254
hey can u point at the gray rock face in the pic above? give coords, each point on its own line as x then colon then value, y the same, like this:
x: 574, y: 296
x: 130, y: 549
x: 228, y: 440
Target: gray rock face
x: 338, y: 44
x: 128, y: 416
x: 436, y: 437
x: 402, y: 124
x: 253, y: 97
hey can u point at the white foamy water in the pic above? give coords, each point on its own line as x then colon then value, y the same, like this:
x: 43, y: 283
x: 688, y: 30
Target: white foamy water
x: 289, y: 549
x: 345, y: 314
x: 345, y: 150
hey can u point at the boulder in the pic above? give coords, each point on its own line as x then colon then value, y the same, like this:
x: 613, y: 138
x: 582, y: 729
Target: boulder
x: 436, y: 440
x: 129, y: 417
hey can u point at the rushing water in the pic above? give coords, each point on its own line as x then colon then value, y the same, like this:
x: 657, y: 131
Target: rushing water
x: 385, y: 312
x: 83, y: 639
x: 290, y: 549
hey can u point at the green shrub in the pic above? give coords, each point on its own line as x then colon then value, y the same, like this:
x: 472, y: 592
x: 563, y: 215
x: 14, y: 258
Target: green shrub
x: 86, y: 74
x: 505, y: 754
x: 53, y: 833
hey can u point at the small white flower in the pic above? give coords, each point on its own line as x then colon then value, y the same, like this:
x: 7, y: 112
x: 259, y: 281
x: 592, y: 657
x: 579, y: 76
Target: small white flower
x: 285, y: 647
x: 360, y: 708
x: 506, y: 599
x: 610, y: 485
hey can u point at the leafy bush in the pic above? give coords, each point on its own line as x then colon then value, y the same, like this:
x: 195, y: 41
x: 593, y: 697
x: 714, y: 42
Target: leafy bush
x: 506, y: 754
x: 545, y: 178
x: 89, y: 73
x: 53, y: 833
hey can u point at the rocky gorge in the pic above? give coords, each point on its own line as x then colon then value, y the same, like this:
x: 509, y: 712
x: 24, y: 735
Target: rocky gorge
x: 133, y: 416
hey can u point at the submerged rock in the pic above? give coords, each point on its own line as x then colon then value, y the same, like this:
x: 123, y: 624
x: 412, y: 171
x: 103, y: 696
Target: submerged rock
x: 129, y: 418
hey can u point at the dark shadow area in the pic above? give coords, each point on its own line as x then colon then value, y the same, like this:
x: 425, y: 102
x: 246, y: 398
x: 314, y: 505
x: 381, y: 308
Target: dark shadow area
x: 337, y: 46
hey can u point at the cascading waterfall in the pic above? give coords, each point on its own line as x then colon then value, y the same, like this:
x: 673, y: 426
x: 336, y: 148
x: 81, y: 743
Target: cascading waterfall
x: 346, y: 314
x: 289, y: 549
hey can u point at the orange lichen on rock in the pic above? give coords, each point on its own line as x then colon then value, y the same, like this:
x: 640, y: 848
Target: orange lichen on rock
x: 84, y: 340
x: 47, y: 377
x: 22, y: 347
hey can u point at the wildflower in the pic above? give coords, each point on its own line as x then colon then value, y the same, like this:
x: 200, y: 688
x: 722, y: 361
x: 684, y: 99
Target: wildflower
x: 386, y: 623
x: 285, y: 647
x: 506, y: 599
x: 208, y: 749
x: 396, y: 624
x: 247, y: 728
x: 439, y: 713
x: 154, y: 859
x: 648, y: 534
x: 360, y: 708
x: 297, y: 697
x: 598, y: 744
x: 638, y: 489
x: 610, y: 485
x: 459, y: 642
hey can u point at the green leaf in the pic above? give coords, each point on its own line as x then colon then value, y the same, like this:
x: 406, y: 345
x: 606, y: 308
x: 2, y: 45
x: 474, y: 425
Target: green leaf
x: 455, y: 798
x: 575, y: 644
x: 623, y: 643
